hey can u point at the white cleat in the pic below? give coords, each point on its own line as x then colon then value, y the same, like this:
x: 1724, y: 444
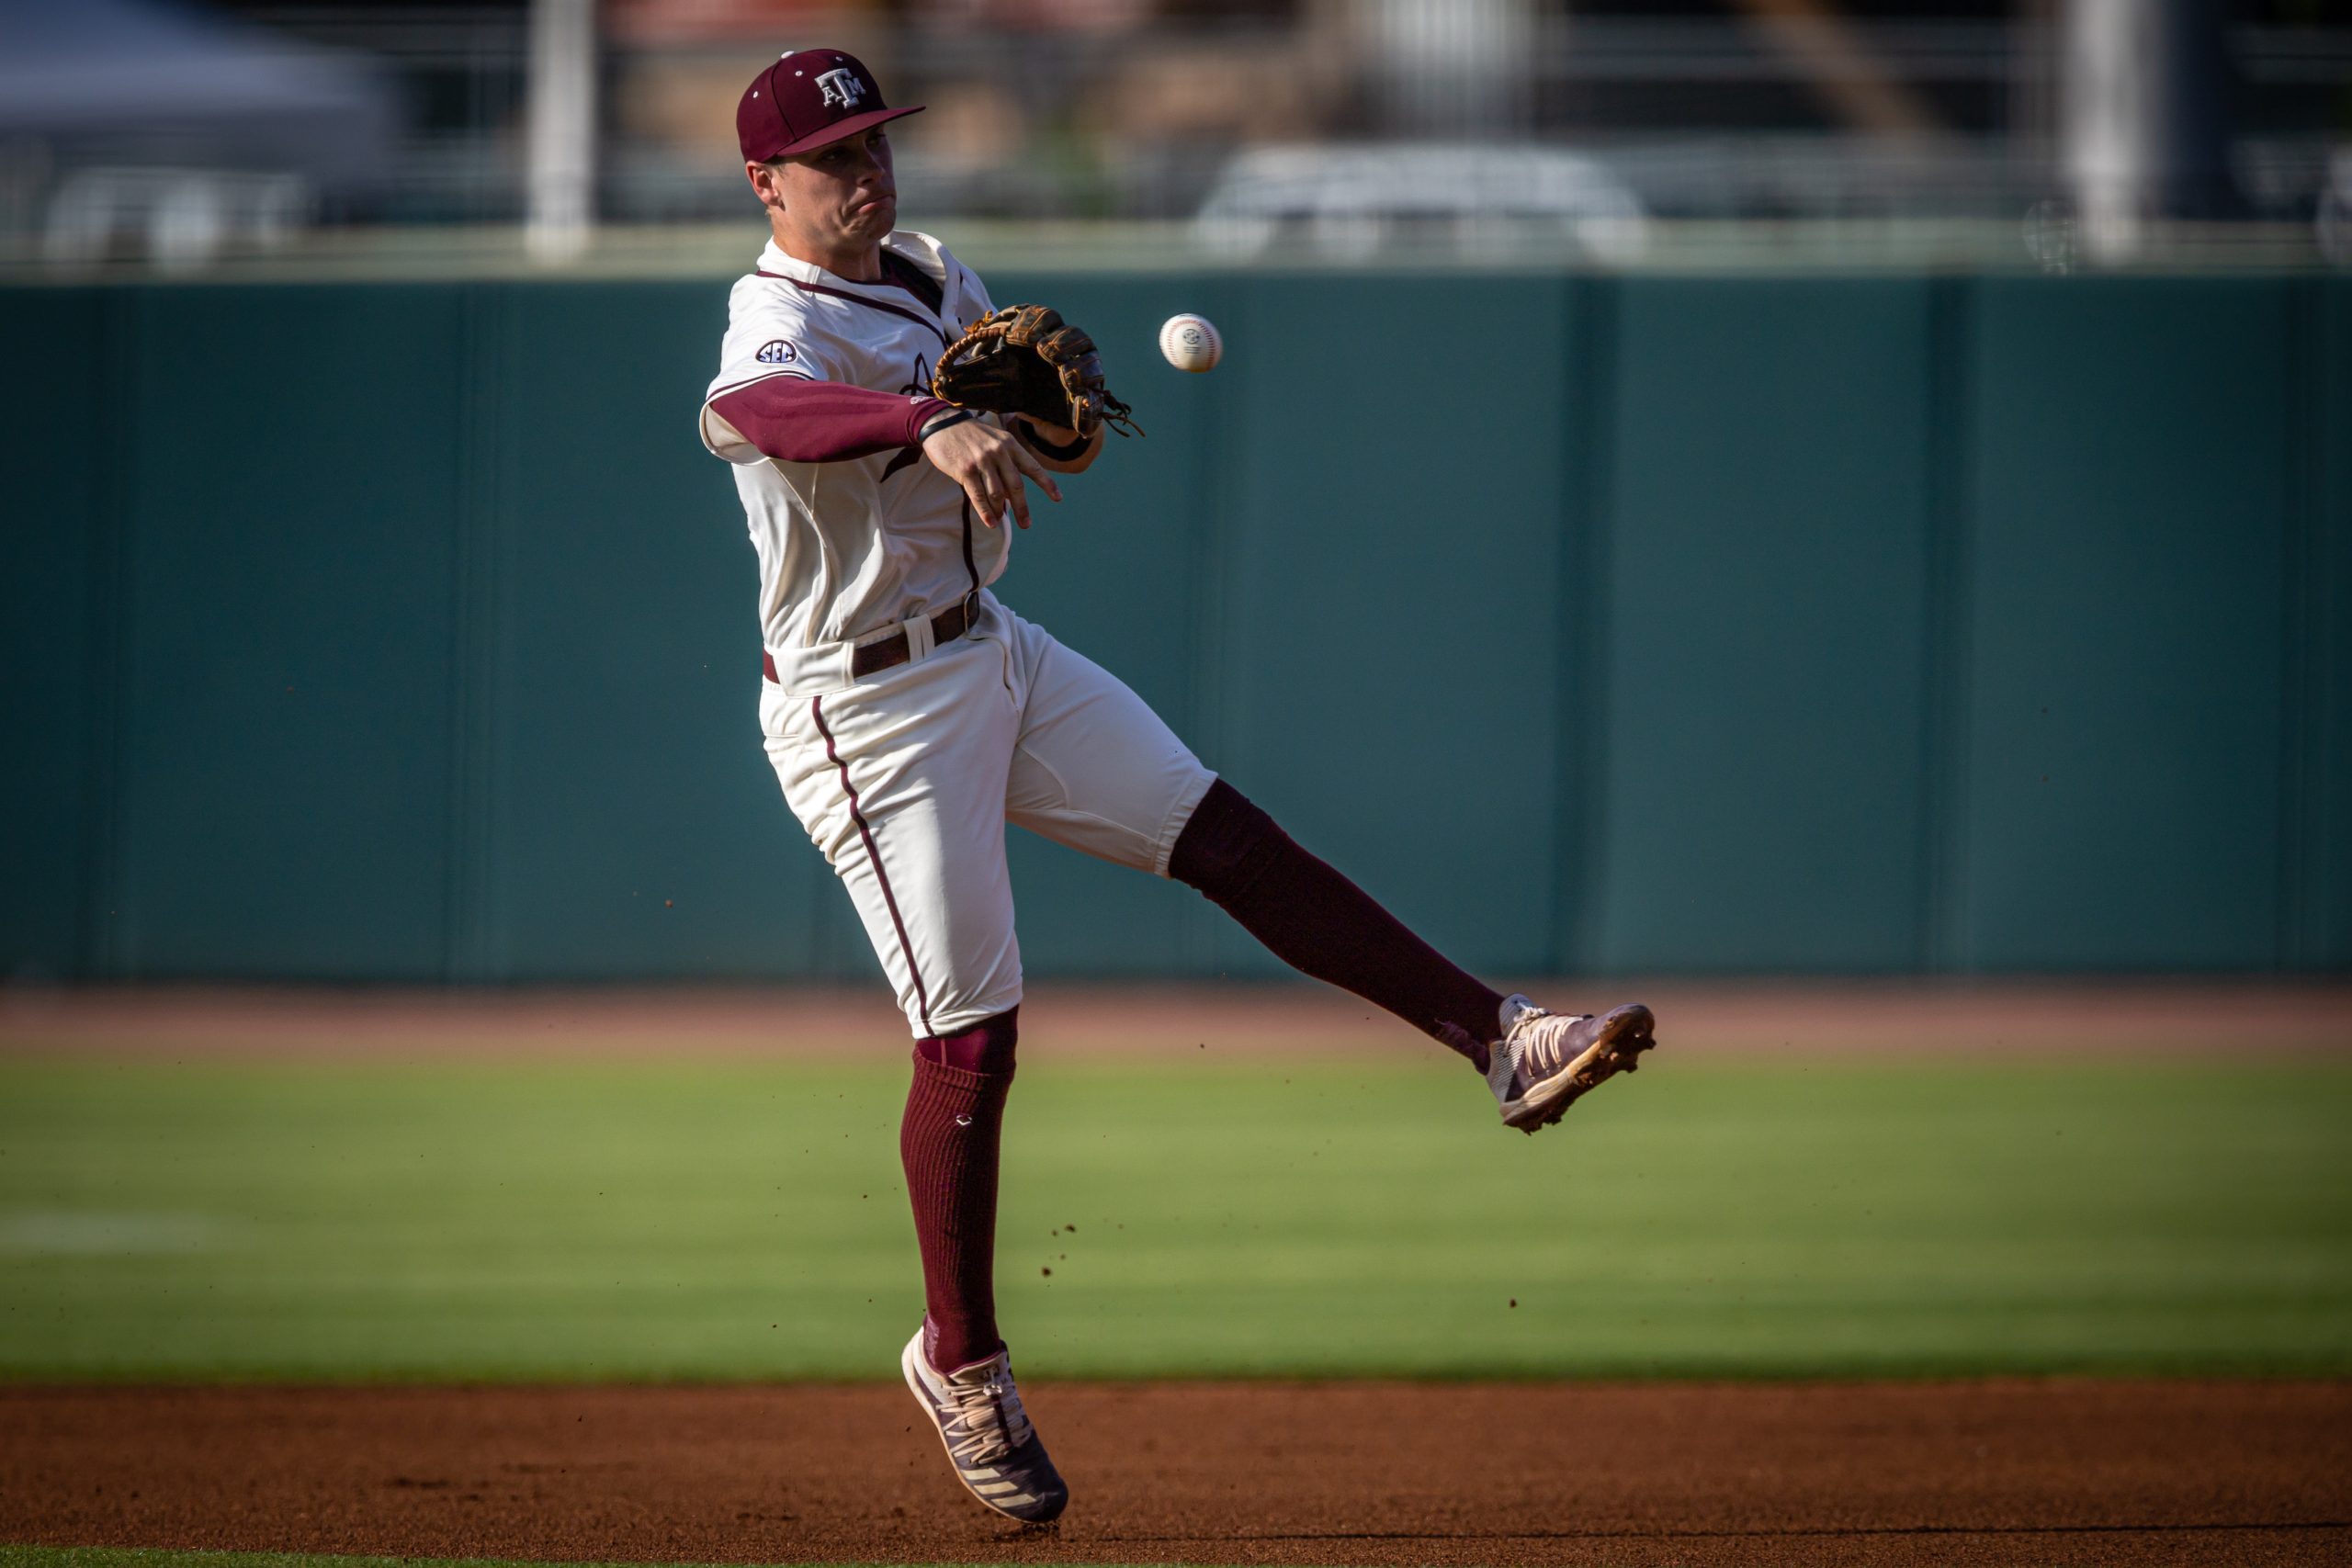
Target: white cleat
x: 988, y: 1436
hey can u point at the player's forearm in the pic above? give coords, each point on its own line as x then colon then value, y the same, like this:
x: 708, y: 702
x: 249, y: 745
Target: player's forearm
x: 801, y: 420
x: 1056, y: 448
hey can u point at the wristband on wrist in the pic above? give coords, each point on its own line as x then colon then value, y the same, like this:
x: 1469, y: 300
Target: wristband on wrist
x: 947, y: 421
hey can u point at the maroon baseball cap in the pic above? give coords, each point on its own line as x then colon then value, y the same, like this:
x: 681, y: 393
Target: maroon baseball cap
x: 806, y: 99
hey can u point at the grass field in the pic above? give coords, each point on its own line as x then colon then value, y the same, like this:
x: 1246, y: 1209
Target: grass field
x: 136, y: 1557
x: 133, y: 1557
x: 503, y: 1221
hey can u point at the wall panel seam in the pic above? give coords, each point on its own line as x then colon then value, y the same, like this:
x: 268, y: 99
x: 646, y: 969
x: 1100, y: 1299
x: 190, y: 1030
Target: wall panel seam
x: 1587, y: 588
x: 101, y: 954
x: 2328, y: 907
x: 1944, y: 561
x: 472, y: 647
x: 1955, y: 697
x: 2302, y: 323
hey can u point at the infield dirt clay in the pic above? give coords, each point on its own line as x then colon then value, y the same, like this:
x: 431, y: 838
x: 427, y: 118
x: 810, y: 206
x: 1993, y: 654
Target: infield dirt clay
x: 2000, y: 1472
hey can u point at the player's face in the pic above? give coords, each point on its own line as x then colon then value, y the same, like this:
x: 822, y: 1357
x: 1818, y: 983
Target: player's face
x: 841, y: 196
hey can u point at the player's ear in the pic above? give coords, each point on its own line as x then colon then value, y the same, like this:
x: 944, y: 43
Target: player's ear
x: 766, y: 183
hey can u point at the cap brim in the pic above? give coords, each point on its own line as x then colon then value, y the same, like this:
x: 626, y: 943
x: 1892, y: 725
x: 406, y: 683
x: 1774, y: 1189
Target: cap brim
x: 842, y: 129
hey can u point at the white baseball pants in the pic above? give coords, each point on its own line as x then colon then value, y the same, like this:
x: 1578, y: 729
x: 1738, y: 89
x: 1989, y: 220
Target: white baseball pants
x: 905, y: 780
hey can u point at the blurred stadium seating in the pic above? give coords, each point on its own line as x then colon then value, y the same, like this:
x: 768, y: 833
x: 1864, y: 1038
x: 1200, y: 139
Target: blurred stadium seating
x: 1993, y: 121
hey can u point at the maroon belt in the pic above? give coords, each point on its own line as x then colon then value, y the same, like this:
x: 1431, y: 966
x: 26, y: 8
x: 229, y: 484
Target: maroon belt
x: 889, y: 652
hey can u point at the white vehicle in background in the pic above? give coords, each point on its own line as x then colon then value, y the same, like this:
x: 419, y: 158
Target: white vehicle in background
x: 2334, y: 221
x: 173, y: 218
x: 1352, y: 202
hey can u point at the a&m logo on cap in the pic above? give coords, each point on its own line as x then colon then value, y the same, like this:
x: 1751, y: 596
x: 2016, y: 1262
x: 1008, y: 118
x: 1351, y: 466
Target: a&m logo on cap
x: 841, y: 88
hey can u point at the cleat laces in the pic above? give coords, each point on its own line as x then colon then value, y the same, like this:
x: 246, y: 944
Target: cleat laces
x: 1532, y: 1050
x: 985, y: 1422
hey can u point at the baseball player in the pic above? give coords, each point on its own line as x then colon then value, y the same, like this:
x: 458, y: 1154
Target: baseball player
x: 911, y: 715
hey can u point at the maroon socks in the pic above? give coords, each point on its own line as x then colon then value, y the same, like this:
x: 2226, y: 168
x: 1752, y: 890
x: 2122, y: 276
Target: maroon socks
x: 1320, y: 923
x: 948, y: 1144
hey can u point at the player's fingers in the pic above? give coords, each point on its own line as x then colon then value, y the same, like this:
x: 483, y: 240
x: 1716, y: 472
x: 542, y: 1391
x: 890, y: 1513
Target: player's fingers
x: 976, y: 490
x: 1028, y: 464
x: 1006, y: 475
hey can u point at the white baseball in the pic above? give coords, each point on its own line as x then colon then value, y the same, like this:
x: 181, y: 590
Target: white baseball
x: 1191, y: 342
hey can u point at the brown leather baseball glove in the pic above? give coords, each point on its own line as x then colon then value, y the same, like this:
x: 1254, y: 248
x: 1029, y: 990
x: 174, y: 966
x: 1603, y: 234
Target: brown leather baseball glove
x: 1026, y: 359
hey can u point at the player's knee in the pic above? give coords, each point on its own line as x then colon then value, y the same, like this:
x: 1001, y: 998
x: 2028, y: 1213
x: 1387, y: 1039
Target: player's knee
x: 985, y: 1047
x: 1227, y: 846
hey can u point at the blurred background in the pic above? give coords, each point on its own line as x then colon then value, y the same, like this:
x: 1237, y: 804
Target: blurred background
x: 177, y: 133
x: 1874, y: 493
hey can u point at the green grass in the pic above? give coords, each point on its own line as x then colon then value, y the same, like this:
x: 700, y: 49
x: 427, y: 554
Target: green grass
x: 746, y: 1221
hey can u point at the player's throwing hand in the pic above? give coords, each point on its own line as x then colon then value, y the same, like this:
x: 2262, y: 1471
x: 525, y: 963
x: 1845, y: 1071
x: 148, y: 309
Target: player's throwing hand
x: 989, y: 465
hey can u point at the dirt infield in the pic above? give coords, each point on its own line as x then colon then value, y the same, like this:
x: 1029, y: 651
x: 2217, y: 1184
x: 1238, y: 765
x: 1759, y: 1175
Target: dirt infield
x: 2006, y: 1471
x: 1877, y: 1017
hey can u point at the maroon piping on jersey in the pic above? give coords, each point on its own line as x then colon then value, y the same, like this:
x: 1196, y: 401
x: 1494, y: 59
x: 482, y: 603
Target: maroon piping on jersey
x: 898, y: 270
x: 889, y: 900
x: 973, y: 571
x: 861, y: 300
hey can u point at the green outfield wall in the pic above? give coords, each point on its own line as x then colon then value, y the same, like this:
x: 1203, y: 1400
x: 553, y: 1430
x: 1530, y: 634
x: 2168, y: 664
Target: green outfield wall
x: 1817, y: 626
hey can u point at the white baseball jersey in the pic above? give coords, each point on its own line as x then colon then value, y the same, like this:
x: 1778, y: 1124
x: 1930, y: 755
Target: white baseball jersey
x: 848, y: 548
x: 905, y: 778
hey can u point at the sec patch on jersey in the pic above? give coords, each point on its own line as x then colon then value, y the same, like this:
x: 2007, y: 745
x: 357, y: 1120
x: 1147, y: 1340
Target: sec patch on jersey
x: 777, y: 352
